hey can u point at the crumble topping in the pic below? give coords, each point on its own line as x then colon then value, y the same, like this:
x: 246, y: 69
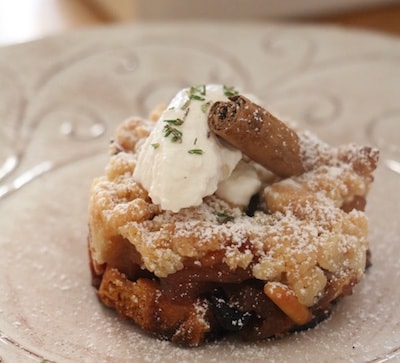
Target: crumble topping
x: 297, y: 235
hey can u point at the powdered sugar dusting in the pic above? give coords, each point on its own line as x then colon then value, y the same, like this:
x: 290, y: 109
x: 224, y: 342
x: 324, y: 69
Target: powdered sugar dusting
x: 363, y: 328
x: 298, y: 233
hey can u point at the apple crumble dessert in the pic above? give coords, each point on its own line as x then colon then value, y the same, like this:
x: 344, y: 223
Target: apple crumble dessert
x: 214, y: 218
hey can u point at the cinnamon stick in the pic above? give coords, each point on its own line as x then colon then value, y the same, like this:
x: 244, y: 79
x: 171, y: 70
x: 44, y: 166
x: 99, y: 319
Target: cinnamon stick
x: 258, y: 134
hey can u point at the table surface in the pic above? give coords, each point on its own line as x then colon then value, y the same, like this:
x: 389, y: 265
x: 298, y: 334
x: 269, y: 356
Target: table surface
x: 41, y: 18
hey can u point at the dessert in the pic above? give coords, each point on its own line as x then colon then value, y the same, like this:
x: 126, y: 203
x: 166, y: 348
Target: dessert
x: 215, y: 218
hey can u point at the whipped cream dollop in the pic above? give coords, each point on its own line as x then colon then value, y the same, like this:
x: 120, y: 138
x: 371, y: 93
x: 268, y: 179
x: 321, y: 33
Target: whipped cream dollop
x: 181, y: 161
x: 241, y: 185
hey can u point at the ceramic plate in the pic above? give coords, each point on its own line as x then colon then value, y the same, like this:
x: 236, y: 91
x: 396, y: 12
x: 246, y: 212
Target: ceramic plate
x: 61, y: 99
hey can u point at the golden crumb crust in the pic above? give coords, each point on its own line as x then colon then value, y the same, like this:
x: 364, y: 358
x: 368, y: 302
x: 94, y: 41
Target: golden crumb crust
x: 303, y: 243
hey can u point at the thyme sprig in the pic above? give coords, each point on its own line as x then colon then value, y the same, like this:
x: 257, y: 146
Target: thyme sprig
x: 176, y: 135
x: 170, y: 130
x: 175, y: 122
x: 196, y: 151
x: 186, y: 104
x: 230, y: 91
x: 204, y: 107
x: 224, y: 217
x: 197, y: 92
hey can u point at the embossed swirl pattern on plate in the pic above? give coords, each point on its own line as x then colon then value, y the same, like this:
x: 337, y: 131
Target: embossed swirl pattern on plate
x: 302, y: 89
x: 80, y: 119
x: 382, y: 131
x: 105, y: 83
x: 53, y: 128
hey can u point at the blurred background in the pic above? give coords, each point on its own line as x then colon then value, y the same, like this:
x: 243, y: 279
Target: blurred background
x: 25, y: 20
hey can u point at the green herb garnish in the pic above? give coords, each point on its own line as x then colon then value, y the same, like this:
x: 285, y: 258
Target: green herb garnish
x: 174, y: 132
x: 230, y: 91
x: 205, y: 106
x: 185, y: 105
x: 197, y: 92
x: 176, y: 122
x: 197, y: 98
x: 224, y: 217
x: 196, y: 151
x: 155, y: 146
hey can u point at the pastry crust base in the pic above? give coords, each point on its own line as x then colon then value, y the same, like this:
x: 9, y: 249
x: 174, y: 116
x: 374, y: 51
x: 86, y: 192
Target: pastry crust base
x: 215, y: 269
